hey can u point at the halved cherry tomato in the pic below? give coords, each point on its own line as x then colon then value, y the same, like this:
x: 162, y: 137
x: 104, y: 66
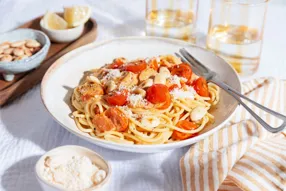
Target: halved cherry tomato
x: 201, y: 87
x: 102, y: 123
x: 117, y: 98
x: 157, y: 93
x: 153, y: 64
x: 117, y: 62
x: 136, y: 67
x: 167, y: 102
x: 187, y: 125
x: 172, y: 87
x: 119, y: 120
x: 89, y: 90
x: 183, y: 70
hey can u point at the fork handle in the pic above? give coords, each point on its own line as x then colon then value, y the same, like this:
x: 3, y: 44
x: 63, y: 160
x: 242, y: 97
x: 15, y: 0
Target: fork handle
x: 235, y: 94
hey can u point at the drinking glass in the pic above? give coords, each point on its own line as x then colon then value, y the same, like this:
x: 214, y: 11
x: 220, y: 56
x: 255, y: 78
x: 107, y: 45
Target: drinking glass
x: 236, y: 31
x: 171, y: 18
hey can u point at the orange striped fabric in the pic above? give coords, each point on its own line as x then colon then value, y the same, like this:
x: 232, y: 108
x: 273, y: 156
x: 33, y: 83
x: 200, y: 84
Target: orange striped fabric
x: 242, y: 155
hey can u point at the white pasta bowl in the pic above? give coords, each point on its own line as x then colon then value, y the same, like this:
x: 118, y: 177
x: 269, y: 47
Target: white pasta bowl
x: 69, y: 151
x: 66, y: 72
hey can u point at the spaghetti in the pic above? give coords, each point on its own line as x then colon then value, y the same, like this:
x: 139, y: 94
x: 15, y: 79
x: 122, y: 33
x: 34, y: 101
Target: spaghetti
x: 144, y: 101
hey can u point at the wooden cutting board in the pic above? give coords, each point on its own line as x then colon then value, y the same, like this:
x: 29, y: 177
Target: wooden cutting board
x: 25, y: 81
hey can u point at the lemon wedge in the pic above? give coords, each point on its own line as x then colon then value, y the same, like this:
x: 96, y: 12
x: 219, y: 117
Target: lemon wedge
x: 54, y: 21
x: 77, y: 15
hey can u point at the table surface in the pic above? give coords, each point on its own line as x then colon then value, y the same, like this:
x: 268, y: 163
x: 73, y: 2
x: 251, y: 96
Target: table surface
x: 27, y: 130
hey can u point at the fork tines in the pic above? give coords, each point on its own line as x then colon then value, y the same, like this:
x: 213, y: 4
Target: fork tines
x: 193, y: 61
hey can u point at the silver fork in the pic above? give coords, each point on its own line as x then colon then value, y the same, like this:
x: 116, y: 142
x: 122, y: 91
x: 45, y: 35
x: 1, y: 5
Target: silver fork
x: 211, y: 76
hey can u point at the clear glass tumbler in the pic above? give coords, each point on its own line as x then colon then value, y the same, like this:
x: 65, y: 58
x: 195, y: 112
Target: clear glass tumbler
x: 171, y: 18
x: 236, y: 31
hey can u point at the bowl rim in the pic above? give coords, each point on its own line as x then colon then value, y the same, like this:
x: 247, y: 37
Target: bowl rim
x: 44, y: 48
x: 59, y: 31
x: 134, y: 147
x: 104, y: 182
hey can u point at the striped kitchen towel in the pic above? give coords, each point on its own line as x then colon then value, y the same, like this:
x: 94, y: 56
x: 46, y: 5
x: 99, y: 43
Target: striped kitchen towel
x: 242, y: 155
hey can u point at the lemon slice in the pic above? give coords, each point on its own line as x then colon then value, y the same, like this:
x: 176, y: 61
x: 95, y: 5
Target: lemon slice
x: 77, y: 15
x: 54, y: 21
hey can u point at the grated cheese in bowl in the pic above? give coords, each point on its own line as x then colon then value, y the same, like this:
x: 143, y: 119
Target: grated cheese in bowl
x: 77, y: 173
x: 72, y: 168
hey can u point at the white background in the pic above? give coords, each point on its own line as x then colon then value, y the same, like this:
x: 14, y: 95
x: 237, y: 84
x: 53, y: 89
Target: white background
x: 27, y: 130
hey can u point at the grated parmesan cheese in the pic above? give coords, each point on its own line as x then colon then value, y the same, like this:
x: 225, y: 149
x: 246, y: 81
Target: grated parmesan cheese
x: 175, y: 80
x: 128, y: 112
x: 111, y: 74
x: 135, y: 99
x: 76, y: 173
x: 184, y: 79
x: 180, y: 93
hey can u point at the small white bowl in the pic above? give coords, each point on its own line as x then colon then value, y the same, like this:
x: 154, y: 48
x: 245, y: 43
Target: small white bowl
x: 67, y: 152
x: 9, y: 69
x: 62, y: 36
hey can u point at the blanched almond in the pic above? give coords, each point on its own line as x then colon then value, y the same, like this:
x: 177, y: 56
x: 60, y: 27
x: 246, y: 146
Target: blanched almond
x: 171, y: 60
x: 32, y: 44
x: 110, y: 86
x: 93, y: 79
x: 35, y: 50
x: 147, y: 73
x: 5, y: 45
x: 8, y: 51
x: 18, y: 52
x: 160, y: 79
x: 27, y: 52
x: 147, y: 83
x: 140, y: 91
x: 165, y: 71
x: 18, y: 43
x: 198, y: 113
x: 6, y: 58
x: 129, y: 80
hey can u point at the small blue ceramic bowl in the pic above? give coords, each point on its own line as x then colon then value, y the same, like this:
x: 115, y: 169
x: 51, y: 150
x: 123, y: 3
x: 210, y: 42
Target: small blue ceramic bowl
x: 8, y: 69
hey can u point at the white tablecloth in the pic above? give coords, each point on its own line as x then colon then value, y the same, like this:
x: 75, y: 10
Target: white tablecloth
x: 27, y: 130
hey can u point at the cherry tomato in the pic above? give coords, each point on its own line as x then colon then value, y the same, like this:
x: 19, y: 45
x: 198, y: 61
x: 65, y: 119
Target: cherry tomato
x: 172, y: 87
x: 136, y: 67
x: 201, y: 87
x: 187, y: 125
x: 153, y: 64
x: 119, y: 120
x: 167, y: 102
x: 183, y: 70
x: 89, y: 90
x: 102, y: 123
x: 117, y: 62
x: 117, y: 98
x: 157, y: 93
